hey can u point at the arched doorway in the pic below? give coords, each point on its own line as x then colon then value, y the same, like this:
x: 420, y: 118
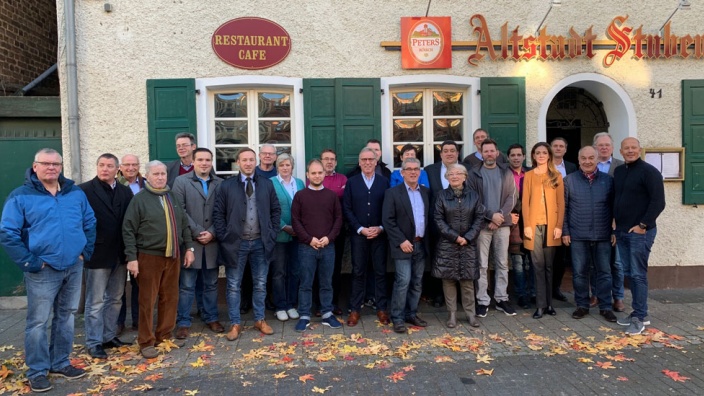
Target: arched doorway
x: 576, y: 116
x: 607, y: 97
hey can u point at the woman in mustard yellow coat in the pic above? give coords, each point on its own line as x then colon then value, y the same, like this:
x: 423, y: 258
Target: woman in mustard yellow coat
x: 543, y: 213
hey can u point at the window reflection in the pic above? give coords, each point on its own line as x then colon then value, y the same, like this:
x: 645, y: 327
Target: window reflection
x: 408, y: 130
x: 447, y: 103
x: 231, y: 132
x: 274, y: 132
x: 274, y: 104
x: 408, y: 104
x: 231, y: 105
x: 447, y: 129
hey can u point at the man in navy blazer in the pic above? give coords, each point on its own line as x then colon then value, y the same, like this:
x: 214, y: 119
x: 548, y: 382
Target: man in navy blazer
x: 405, y: 217
x: 362, y: 203
x: 246, y: 216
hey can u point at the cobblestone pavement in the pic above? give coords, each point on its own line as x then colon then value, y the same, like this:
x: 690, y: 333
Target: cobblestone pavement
x: 509, y: 355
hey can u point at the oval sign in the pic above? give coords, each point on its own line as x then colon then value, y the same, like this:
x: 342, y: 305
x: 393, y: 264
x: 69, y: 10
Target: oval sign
x: 426, y: 41
x: 251, y: 43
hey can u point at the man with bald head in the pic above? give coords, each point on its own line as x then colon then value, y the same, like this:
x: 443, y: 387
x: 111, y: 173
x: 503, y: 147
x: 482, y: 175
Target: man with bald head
x: 639, y: 200
x: 587, y: 229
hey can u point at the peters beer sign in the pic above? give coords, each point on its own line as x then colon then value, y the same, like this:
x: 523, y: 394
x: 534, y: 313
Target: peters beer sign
x: 426, y: 42
x: 251, y: 43
x: 623, y: 40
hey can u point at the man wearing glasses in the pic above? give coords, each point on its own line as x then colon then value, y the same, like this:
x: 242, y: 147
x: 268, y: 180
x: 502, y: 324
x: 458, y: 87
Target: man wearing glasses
x: 185, y: 146
x: 48, y: 230
x: 267, y: 161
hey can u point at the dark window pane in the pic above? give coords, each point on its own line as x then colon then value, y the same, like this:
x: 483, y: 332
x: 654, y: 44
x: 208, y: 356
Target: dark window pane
x: 408, y: 103
x: 274, y: 132
x: 231, y: 132
x: 225, y: 159
x: 397, y: 154
x: 231, y: 105
x: 408, y: 130
x: 447, y: 129
x: 436, y: 153
x: 274, y: 105
x: 447, y: 103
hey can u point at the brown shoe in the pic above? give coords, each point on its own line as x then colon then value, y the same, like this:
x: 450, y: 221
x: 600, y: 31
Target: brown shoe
x: 593, y: 302
x: 618, y: 306
x: 149, y: 352
x: 353, y: 319
x: 383, y: 317
x: 234, y: 332
x: 216, y: 327
x: 182, y: 333
x: 263, y: 327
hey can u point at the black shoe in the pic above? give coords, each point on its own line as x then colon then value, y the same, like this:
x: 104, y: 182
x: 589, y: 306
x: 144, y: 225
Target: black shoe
x: 557, y: 295
x: 69, y: 372
x: 115, y: 343
x: 538, y: 313
x: 580, y: 313
x: 523, y: 303
x: 40, y: 383
x: 550, y: 311
x: 608, y: 315
x: 97, y: 352
x: 416, y: 321
x: 438, y: 301
x: 400, y: 328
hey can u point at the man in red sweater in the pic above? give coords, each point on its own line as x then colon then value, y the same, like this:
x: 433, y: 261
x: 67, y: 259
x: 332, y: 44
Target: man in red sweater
x: 316, y: 218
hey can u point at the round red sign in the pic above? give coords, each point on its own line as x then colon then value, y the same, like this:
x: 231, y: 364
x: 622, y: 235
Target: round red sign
x: 251, y: 43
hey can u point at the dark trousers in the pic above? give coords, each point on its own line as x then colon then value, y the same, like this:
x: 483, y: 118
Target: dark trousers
x: 562, y: 260
x: 542, y: 256
x: 134, y: 304
x: 363, y: 251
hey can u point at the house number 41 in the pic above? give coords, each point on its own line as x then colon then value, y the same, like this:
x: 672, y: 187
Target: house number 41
x: 654, y: 93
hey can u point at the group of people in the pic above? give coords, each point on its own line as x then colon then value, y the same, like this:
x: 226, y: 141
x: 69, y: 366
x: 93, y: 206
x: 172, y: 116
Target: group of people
x: 172, y: 229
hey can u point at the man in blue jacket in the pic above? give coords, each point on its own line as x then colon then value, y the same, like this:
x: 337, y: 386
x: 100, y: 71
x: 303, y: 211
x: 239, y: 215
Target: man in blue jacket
x: 589, y: 196
x: 48, y: 230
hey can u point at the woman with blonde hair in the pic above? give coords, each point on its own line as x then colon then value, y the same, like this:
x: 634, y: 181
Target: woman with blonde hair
x: 543, y: 208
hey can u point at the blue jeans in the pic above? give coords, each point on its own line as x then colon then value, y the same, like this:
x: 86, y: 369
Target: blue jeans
x: 252, y: 251
x: 187, y: 292
x: 586, y: 255
x: 104, y: 290
x: 284, y: 275
x: 51, y: 291
x: 408, y: 285
x: 322, y: 261
x: 634, y: 250
x: 617, y: 291
x: 365, y: 251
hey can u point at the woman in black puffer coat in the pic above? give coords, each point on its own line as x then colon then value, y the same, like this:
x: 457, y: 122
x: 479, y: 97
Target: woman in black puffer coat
x: 458, y: 216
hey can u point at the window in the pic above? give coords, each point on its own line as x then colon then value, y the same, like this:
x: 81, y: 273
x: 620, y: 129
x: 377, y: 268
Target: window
x: 249, y: 118
x: 425, y: 118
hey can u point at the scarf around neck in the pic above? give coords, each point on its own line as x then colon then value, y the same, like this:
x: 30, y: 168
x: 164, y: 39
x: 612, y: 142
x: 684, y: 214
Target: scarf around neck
x: 172, y: 243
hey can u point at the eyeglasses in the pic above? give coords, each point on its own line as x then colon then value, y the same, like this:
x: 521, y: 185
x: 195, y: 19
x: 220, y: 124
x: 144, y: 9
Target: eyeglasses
x: 455, y: 174
x: 412, y: 169
x: 367, y: 159
x: 263, y: 153
x: 49, y: 164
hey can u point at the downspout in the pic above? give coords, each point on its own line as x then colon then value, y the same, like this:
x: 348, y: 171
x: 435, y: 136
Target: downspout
x: 72, y: 90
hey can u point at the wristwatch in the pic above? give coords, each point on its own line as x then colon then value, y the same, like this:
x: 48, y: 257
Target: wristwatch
x: 642, y: 226
x: 191, y: 249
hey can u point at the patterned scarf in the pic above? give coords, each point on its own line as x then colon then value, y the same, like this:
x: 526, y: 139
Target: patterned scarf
x: 172, y: 243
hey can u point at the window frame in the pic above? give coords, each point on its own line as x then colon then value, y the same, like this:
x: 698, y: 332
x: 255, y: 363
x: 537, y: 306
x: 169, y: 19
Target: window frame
x: 207, y: 88
x: 469, y: 86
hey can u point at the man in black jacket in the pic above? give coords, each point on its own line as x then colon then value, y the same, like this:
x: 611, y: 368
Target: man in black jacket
x: 105, y: 272
x: 381, y: 168
x: 247, y: 219
x: 639, y: 200
x: 587, y: 230
x: 405, y: 217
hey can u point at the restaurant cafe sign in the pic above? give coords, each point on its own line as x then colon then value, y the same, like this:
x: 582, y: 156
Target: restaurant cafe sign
x: 622, y: 39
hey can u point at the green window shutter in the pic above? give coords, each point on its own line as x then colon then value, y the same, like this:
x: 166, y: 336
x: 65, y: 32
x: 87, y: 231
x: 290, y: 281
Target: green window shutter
x: 171, y: 109
x: 341, y: 114
x: 693, y: 141
x: 503, y: 102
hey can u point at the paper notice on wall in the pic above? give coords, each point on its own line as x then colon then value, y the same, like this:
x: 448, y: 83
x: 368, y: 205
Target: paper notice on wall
x: 668, y: 164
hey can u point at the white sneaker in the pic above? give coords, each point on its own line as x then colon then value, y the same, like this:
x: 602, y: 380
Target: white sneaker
x: 292, y: 313
x: 282, y: 316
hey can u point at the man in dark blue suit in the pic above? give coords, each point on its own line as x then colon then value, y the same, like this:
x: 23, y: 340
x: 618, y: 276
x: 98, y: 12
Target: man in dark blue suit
x: 362, y: 204
x: 405, y: 216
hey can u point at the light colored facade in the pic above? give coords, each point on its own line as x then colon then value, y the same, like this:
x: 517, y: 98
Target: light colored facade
x: 118, y: 51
